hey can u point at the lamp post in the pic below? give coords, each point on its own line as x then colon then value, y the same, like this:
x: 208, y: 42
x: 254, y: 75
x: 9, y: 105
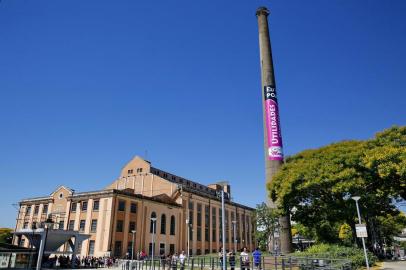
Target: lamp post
x: 234, y: 233
x: 153, y: 220
x: 132, y: 248
x: 188, y: 237
x: 48, y: 223
x: 223, y: 228
x: 356, y: 199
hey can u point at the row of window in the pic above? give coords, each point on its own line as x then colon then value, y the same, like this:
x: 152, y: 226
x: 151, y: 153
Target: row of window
x: 172, y: 228
x: 131, y: 171
x: 36, y: 209
x: 122, y: 203
x: 84, y: 205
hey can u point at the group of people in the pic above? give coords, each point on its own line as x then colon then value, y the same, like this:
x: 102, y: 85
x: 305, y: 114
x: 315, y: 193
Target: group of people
x: 244, y: 259
x: 63, y: 261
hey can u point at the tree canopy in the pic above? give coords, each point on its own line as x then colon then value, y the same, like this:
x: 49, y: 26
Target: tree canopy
x: 316, y: 185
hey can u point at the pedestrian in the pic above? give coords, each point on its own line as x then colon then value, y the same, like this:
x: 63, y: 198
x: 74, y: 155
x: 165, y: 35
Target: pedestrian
x: 245, y: 260
x: 257, y: 258
x: 174, y: 261
x: 231, y: 259
x: 182, y: 260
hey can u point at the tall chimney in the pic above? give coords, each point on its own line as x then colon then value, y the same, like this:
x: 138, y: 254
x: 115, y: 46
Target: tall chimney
x: 272, y: 132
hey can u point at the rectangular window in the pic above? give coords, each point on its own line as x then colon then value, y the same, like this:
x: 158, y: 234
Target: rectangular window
x: 96, y: 205
x: 36, y: 209
x: 214, y: 226
x: 119, y: 226
x: 130, y: 171
x: 117, y: 248
x: 161, y: 248
x: 220, y: 224
x: 131, y: 227
x: 150, y: 249
x: 73, y: 207
x: 191, y: 206
x: 171, y: 249
x: 91, y: 247
x: 61, y: 225
x: 84, y: 206
x: 121, y: 205
x: 93, y: 226
x: 45, y: 209
x: 199, y: 222
x: 82, y: 225
x: 133, y: 208
x: 71, y: 225
x: 227, y: 227
x: 206, y: 223
x: 25, y: 226
x: 28, y: 210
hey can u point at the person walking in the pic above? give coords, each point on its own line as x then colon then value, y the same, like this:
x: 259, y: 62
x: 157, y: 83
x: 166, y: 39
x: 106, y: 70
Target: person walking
x: 245, y: 259
x: 182, y: 260
x: 231, y: 259
x: 257, y: 258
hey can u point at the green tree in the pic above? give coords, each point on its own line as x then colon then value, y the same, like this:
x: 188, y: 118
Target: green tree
x: 6, y: 235
x: 345, y: 234
x: 319, y: 182
x: 266, y: 222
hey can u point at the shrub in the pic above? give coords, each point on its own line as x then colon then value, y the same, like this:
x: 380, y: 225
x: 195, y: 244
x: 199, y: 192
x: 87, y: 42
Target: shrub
x: 356, y: 255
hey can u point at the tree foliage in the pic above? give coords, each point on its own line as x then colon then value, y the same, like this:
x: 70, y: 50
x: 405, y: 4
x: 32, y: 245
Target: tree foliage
x: 318, y: 183
x: 266, y: 219
x: 5, y: 235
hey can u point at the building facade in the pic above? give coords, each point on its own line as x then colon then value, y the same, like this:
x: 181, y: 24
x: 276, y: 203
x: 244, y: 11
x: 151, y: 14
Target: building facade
x: 122, y: 212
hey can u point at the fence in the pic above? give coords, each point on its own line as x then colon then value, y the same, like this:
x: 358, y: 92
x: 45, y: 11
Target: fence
x: 266, y: 263
x: 18, y: 259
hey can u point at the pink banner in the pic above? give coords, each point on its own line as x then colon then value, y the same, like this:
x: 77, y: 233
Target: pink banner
x: 275, y: 150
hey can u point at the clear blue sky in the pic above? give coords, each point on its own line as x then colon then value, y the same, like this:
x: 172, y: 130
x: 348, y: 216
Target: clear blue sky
x: 86, y: 85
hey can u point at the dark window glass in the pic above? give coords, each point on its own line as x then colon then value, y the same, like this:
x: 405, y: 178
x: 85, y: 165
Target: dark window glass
x: 213, y: 220
x: 73, y: 207
x: 36, y: 209
x: 45, y: 209
x: 82, y: 225
x: 28, y: 210
x: 163, y: 224
x: 25, y: 226
x: 173, y: 225
x: 121, y: 205
x: 133, y: 207
x: 96, y: 205
x: 152, y: 227
x: 91, y: 247
x: 93, y: 226
x: 117, y: 248
x: 84, y: 206
x: 171, y: 249
x: 206, y: 223
x: 131, y: 227
x: 61, y: 225
x: 71, y: 225
x: 119, y: 226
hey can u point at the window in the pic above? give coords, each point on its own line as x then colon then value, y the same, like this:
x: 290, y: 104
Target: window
x: 61, y: 225
x: 213, y: 220
x: 161, y: 248
x: 73, y: 207
x: 172, y: 229
x: 96, y: 205
x: 45, y: 209
x: 91, y: 247
x: 150, y: 249
x: 60, y: 195
x: 220, y: 225
x: 36, y: 209
x: 163, y: 224
x: 133, y: 208
x: 93, y: 226
x: 206, y: 223
x: 121, y: 205
x: 130, y: 171
x: 172, y: 249
x: 82, y: 225
x: 199, y: 222
x: 227, y: 227
x: 131, y: 227
x: 119, y: 226
x: 84, y: 206
x: 191, y: 206
x: 71, y: 225
x: 152, y: 226
x: 28, y: 210
x: 117, y: 248
x: 139, y: 170
x: 25, y: 225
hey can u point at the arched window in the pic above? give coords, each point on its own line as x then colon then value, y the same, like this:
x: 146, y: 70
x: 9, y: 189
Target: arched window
x: 172, y: 231
x: 163, y: 224
x: 151, y: 227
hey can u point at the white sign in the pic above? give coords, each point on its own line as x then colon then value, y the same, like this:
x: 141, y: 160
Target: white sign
x: 361, y: 230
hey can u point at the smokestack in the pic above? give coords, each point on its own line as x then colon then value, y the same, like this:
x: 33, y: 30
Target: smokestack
x: 272, y: 129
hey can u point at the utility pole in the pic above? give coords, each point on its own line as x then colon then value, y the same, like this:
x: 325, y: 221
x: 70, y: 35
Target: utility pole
x: 356, y: 199
x: 272, y: 129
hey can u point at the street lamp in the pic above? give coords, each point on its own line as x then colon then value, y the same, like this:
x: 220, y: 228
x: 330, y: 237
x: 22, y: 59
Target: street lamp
x: 48, y: 223
x: 234, y: 232
x: 132, y: 252
x: 153, y: 220
x: 356, y: 199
